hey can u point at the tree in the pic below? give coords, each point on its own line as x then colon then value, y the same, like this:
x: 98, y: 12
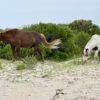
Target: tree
x: 85, y: 26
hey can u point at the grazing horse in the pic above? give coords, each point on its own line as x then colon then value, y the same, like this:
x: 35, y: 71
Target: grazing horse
x: 93, y: 45
x: 18, y: 38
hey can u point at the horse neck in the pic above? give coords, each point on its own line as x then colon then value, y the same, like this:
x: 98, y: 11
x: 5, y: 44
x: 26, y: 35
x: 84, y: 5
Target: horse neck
x: 90, y: 47
x: 91, y: 44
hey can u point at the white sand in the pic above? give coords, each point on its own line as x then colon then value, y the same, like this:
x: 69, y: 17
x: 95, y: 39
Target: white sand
x: 82, y: 82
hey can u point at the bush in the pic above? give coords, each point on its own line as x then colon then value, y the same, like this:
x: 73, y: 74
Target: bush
x: 74, y: 37
x: 5, y: 52
x: 20, y: 67
x: 81, y: 39
x: 53, y: 31
x: 85, y: 26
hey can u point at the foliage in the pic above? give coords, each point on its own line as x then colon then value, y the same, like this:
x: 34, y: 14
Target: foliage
x: 85, y: 26
x: 74, y: 37
x: 20, y: 66
x: 81, y: 38
x: 29, y: 62
x: 5, y: 52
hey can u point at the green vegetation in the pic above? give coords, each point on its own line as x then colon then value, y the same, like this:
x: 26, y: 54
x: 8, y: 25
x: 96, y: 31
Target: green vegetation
x: 20, y: 66
x: 26, y: 63
x: 74, y: 37
x: 30, y: 62
x: 1, y: 66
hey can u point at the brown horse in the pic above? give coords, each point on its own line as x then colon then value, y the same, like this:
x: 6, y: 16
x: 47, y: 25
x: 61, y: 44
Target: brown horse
x: 18, y: 38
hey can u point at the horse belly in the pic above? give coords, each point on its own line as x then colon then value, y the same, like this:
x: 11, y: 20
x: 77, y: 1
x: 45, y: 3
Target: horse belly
x: 26, y: 39
x: 26, y: 42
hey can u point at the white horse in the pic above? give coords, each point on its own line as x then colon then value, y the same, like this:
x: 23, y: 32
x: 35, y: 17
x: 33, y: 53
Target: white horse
x: 93, y: 45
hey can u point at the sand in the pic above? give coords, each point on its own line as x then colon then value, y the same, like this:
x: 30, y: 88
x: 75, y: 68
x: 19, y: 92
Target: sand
x: 80, y: 82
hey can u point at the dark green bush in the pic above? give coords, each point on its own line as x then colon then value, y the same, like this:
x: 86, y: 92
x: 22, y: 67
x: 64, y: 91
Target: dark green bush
x: 74, y: 37
x: 53, y: 31
x: 81, y: 39
x: 5, y: 52
x: 85, y: 26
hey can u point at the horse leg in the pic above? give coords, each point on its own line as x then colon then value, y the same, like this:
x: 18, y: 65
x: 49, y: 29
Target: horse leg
x: 14, y: 51
x: 18, y: 51
x: 38, y: 51
x: 96, y: 55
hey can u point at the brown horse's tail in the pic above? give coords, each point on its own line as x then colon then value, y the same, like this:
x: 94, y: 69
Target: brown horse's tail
x: 52, y: 45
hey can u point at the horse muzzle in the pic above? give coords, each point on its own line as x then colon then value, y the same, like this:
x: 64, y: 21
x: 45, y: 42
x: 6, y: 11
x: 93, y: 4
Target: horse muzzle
x: 85, y: 58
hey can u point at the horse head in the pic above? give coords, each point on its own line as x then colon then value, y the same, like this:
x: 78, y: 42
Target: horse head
x: 91, y: 46
x: 86, y: 54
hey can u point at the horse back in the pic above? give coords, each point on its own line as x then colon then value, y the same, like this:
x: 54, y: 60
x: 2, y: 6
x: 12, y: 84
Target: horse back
x: 22, y: 38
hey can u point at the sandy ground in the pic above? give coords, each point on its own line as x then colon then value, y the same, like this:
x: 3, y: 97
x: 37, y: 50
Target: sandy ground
x: 79, y: 82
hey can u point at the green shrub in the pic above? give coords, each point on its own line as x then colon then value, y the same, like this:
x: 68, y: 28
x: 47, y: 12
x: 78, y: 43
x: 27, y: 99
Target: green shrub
x: 85, y: 26
x: 6, y: 52
x: 74, y: 37
x: 20, y: 66
x: 81, y: 39
x: 26, y: 52
x: 30, y: 62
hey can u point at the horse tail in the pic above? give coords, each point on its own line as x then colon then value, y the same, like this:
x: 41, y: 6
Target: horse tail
x: 52, y: 45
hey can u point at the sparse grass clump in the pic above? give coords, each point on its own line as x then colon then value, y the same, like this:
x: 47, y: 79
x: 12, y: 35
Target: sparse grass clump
x: 20, y: 67
x: 27, y: 63
x: 78, y: 61
x: 1, y: 66
x: 30, y: 62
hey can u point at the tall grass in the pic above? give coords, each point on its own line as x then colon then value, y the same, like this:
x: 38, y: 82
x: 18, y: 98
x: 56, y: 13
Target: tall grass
x: 27, y: 63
